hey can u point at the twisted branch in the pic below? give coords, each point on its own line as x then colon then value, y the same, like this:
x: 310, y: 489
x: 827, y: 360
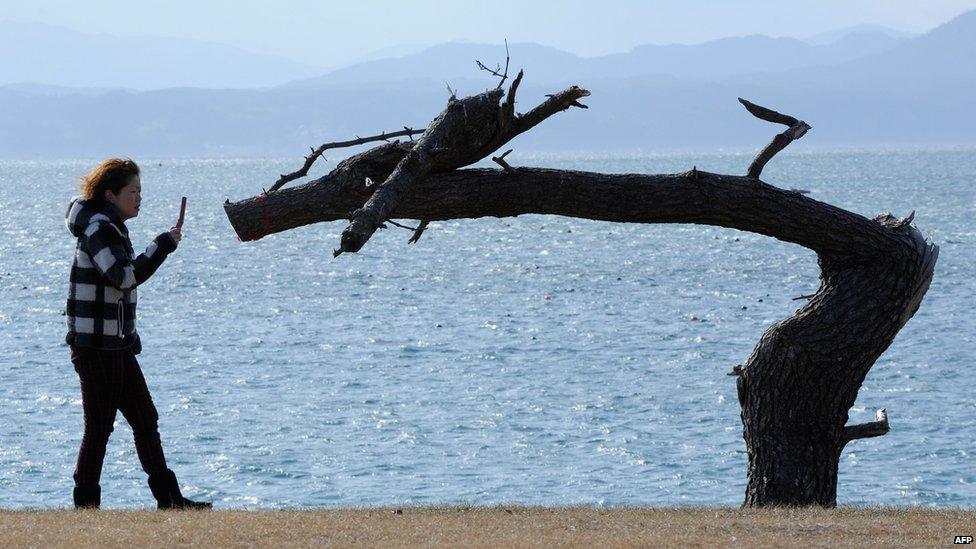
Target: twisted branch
x: 797, y: 128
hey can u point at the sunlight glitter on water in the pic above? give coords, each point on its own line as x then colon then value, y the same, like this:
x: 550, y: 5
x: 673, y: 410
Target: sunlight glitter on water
x: 441, y: 373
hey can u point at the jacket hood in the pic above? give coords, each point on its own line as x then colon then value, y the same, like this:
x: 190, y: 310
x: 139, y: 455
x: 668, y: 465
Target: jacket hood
x: 82, y: 213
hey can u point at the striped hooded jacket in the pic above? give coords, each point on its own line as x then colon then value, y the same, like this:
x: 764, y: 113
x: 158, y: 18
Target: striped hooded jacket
x: 101, y: 308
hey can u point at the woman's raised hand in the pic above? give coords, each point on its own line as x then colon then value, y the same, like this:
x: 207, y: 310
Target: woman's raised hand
x: 176, y: 233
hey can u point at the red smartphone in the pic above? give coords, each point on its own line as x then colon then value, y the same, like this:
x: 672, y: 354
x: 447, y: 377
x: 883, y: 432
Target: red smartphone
x: 179, y: 223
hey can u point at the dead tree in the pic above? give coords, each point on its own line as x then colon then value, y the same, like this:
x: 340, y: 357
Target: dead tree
x: 803, y: 376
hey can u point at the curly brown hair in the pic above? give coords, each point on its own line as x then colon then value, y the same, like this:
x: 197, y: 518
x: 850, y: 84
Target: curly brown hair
x: 110, y: 175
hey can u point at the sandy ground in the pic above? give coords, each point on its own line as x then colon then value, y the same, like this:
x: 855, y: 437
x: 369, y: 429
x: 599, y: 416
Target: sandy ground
x: 489, y: 527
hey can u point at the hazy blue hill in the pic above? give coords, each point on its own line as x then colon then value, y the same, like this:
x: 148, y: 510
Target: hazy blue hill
x: 714, y: 59
x: 455, y: 60
x: 203, y: 122
x: 855, y: 45
x: 834, y: 35
x: 945, y: 54
x: 740, y: 55
x: 934, y: 67
x: 397, y: 50
x: 47, y: 89
x: 51, y: 55
x: 917, y: 92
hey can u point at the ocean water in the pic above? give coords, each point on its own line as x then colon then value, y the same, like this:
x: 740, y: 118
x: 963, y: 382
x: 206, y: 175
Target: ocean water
x: 536, y: 360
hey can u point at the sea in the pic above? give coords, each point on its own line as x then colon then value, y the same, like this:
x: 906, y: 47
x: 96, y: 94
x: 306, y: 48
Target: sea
x: 536, y: 360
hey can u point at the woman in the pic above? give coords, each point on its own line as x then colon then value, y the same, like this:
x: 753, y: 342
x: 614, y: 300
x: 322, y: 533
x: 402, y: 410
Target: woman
x: 102, y: 329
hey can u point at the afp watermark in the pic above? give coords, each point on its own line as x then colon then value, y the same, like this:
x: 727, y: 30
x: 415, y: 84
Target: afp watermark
x: 962, y: 540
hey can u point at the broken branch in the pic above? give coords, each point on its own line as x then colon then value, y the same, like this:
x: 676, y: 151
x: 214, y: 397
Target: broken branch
x: 875, y: 428
x: 507, y: 113
x: 797, y: 129
x: 310, y: 159
x: 500, y: 160
x: 554, y: 103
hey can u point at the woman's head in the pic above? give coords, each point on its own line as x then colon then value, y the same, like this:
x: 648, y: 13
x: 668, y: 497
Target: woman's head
x: 115, y: 181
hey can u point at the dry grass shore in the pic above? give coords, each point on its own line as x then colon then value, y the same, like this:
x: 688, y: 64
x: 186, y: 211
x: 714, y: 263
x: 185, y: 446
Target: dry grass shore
x: 490, y: 527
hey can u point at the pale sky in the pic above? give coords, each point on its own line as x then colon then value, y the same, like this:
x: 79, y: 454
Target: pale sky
x: 329, y: 33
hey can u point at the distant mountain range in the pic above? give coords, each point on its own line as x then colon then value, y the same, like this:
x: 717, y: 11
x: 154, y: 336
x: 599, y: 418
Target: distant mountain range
x: 709, y: 60
x: 864, y: 87
x: 46, y: 54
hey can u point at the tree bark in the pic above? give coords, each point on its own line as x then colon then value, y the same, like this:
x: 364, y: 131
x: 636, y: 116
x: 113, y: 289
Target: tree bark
x: 796, y: 388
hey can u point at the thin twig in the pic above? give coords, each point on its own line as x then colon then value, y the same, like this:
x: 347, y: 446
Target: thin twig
x: 311, y: 158
x: 420, y: 230
x: 417, y: 231
x: 395, y: 224
x: 502, y: 75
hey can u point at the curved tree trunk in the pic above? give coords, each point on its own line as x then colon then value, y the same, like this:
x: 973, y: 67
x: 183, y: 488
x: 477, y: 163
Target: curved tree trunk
x: 802, y: 378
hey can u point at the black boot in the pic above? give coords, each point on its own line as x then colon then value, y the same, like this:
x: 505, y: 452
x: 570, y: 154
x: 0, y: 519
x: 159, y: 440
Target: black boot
x: 166, y: 490
x: 88, y: 497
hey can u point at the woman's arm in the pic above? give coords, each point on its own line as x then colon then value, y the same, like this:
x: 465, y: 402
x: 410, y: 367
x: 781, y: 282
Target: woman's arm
x: 104, y: 244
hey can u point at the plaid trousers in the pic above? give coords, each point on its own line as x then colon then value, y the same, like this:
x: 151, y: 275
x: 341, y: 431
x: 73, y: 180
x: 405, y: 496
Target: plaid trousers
x: 111, y: 381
